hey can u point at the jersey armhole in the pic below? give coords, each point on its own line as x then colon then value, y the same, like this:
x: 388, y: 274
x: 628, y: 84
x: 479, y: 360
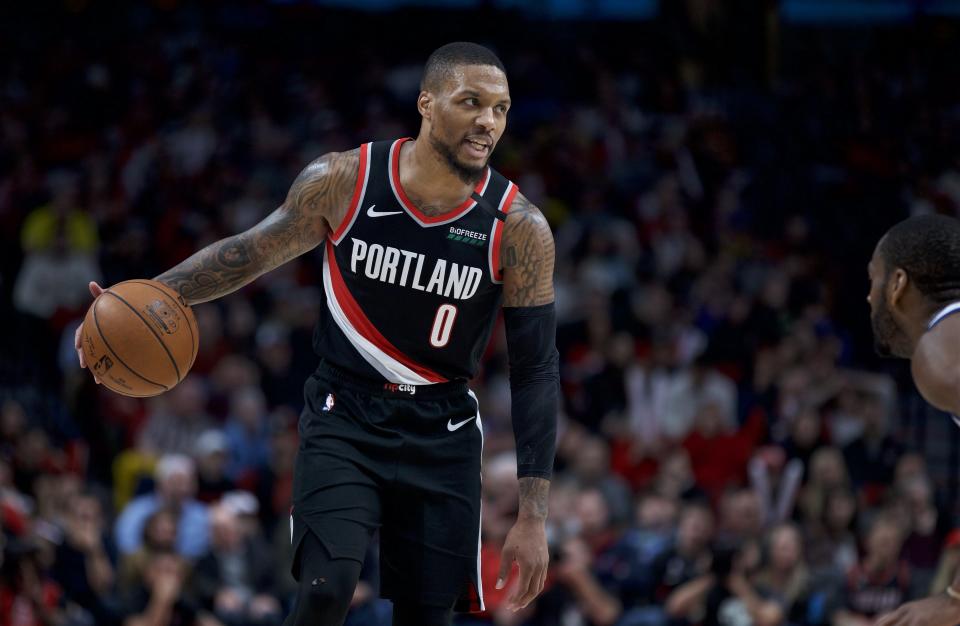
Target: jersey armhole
x: 359, y: 191
x: 496, y: 232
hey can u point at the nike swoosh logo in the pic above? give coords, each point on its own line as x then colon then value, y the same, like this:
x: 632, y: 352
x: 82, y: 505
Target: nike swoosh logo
x: 372, y: 213
x: 452, y: 427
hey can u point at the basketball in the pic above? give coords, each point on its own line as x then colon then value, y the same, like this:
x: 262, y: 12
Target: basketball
x: 140, y: 338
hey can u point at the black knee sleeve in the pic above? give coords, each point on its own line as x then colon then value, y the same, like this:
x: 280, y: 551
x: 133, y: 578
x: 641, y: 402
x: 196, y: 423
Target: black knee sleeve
x: 408, y: 614
x: 326, y: 586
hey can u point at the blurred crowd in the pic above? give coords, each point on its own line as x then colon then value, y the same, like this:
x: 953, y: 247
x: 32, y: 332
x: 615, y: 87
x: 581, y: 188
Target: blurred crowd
x: 729, y: 451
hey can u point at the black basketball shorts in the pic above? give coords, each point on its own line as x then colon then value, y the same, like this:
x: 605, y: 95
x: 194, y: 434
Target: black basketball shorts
x: 404, y: 459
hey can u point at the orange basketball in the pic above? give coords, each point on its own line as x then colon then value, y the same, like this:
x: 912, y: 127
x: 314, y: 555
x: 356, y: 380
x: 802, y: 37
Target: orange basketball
x: 140, y: 338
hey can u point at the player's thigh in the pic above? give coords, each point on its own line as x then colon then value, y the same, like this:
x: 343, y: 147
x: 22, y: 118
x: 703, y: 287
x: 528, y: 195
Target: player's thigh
x: 430, y: 539
x: 336, y: 495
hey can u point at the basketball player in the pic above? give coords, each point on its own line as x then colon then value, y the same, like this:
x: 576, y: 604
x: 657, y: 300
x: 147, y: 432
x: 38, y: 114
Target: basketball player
x: 422, y: 243
x: 914, y: 295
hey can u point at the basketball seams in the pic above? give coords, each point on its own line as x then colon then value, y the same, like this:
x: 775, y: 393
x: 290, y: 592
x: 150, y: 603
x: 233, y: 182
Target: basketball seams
x: 194, y: 342
x: 176, y: 368
x: 114, y: 352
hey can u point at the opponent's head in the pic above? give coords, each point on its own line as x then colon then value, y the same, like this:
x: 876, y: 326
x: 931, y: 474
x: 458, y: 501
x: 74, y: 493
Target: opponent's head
x: 915, y: 269
x: 464, y: 99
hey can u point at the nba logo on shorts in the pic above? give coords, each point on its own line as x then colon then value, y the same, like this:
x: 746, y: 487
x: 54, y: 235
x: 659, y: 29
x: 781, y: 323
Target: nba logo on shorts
x: 328, y: 404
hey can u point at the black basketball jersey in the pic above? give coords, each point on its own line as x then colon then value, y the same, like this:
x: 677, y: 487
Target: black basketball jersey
x: 411, y: 298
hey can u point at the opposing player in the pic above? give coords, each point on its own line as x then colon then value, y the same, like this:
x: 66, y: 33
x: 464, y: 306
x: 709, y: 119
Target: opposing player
x: 914, y: 295
x: 423, y: 243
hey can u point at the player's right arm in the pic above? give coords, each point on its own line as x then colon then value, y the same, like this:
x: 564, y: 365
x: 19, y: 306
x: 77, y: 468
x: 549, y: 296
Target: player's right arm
x: 318, y: 198
x: 317, y: 201
x: 936, y: 366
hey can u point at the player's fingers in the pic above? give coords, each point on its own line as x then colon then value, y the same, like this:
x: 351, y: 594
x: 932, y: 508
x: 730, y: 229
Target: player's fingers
x: 506, y: 560
x: 76, y: 343
x: 536, y: 584
x: 95, y: 289
x: 543, y: 580
x: 517, y: 600
x: 529, y: 593
x: 888, y: 619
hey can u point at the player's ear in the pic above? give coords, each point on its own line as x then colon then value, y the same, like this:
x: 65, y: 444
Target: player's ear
x: 897, y: 286
x: 425, y: 104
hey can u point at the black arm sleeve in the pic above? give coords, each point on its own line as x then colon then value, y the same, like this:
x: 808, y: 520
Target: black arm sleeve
x: 534, y: 386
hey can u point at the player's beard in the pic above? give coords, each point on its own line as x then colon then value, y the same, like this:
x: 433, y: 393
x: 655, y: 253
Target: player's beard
x: 468, y: 174
x: 885, y: 331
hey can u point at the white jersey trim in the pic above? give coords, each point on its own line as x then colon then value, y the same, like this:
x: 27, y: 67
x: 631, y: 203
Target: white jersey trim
x: 388, y: 367
x: 945, y: 311
x: 493, y: 233
x: 480, y: 518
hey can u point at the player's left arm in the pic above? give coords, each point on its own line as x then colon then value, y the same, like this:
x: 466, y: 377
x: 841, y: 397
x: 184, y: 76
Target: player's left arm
x: 527, y: 258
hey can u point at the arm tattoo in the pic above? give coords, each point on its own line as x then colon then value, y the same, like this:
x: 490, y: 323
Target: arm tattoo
x: 527, y: 256
x: 318, y: 197
x: 533, y: 498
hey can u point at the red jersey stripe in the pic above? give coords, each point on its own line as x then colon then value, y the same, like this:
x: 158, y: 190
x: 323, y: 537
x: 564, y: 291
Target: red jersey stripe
x: 358, y: 192
x: 363, y: 325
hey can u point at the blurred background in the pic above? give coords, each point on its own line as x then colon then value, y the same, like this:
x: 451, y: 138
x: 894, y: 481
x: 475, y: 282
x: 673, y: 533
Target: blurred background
x: 716, y: 173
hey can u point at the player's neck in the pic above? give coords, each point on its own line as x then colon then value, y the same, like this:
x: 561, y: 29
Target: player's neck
x: 916, y: 317
x: 428, y: 180
x: 914, y: 330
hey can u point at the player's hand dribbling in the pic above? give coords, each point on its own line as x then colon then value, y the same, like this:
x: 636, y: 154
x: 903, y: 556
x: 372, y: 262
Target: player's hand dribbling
x: 938, y: 610
x: 96, y: 290
x: 526, y: 543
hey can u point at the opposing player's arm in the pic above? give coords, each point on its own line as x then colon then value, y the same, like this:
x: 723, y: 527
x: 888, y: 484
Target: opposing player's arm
x: 936, y: 366
x: 317, y: 198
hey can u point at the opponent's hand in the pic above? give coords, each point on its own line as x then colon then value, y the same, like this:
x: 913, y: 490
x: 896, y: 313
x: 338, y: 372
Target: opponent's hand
x: 526, y: 543
x: 938, y: 610
x: 96, y: 290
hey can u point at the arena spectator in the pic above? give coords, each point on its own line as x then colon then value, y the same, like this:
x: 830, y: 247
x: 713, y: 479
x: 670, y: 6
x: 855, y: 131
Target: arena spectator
x: 827, y: 473
x: 234, y: 579
x: 177, y: 420
x: 785, y: 575
x: 830, y: 539
x: 598, y: 571
x: 728, y: 594
x: 880, y: 581
x: 247, y: 432
x: 210, y: 453
x: 872, y: 457
x: 776, y: 481
x: 655, y: 524
x: 176, y: 488
x: 159, y: 535
x: 27, y: 595
x: 718, y: 453
x: 741, y: 516
x: 84, y: 561
x: 162, y: 598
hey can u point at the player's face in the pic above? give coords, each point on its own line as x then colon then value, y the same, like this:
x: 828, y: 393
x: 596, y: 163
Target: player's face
x: 885, y: 329
x: 468, y: 118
